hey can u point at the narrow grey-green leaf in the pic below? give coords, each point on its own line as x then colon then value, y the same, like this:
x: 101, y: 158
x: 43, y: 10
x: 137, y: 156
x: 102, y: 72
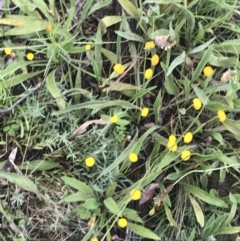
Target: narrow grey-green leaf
x: 142, y: 231
x: 20, y: 180
x: 177, y: 61
x: 130, y: 36
x: 39, y: 165
x: 80, y: 186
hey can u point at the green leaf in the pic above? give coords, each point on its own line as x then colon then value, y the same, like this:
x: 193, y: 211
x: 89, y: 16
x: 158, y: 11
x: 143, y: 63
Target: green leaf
x: 109, y: 21
x: 76, y: 197
x: 177, y: 61
x: 205, y: 196
x: 96, y: 105
x: 20, y: 180
x: 91, y: 204
x: 197, y: 210
x: 39, y: 165
x: 142, y: 231
x: 218, y: 137
x: 202, y: 63
x: 98, y: 6
x: 131, y: 214
x: 232, y: 212
x: 130, y: 36
x: 53, y: 89
x: 80, y: 186
x: 111, y: 189
x: 232, y: 126
x: 111, y: 205
x: 169, y: 216
x: 156, y: 107
x: 201, y: 47
x: 109, y: 55
x: 130, y: 9
x: 201, y: 95
x: 227, y: 230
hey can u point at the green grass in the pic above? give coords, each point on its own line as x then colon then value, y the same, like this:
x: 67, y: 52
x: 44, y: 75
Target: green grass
x: 86, y: 109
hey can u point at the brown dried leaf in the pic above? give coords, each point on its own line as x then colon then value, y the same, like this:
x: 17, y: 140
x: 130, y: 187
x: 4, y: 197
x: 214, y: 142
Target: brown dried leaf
x: 228, y: 75
x: 83, y: 128
x: 148, y: 192
x: 165, y: 42
x: 158, y: 199
x: 189, y: 62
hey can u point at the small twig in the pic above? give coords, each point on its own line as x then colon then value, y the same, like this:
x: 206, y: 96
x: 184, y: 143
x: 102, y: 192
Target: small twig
x: 4, y: 111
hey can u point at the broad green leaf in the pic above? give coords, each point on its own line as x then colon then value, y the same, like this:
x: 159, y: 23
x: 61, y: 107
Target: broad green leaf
x: 227, y: 230
x: 177, y: 61
x: 218, y: 137
x: 205, y: 196
x: 130, y: 36
x: 231, y: 126
x: 111, y: 189
x: 91, y: 204
x: 26, y: 7
x: 197, y: 210
x: 109, y: 21
x: 96, y: 105
x: 20, y: 180
x: 130, y: 9
x: 54, y: 91
x: 80, y: 186
x: 110, y: 55
x: 169, y: 216
x: 162, y: 1
x: 39, y: 165
x: 142, y: 231
x: 76, y: 197
x: 170, y: 85
x: 202, y: 63
x: 192, y: 235
x: 111, y: 205
x: 201, y: 95
x: 228, y: 46
x: 157, y: 106
x: 131, y: 214
x: 99, y: 5
x: 43, y: 7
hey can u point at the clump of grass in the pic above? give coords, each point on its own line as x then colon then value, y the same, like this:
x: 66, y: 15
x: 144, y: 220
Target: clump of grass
x: 134, y: 130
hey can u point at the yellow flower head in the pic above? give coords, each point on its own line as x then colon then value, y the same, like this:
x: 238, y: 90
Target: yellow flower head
x: 221, y: 115
x: 48, y: 27
x: 135, y: 194
x: 188, y: 137
x: 133, y: 157
x: 186, y: 154
x: 89, y: 161
x: 94, y: 239
x: 114, y: 119
x: 148, y: 74
x: 172, y: 138
x: 8, y: 51
x: 87, y: 47
x: 172, y: 146
x: 207, y: 71
x: 144, y: 112
x: 122, y: 222
x: 197, y: 104
x: 155, y: 59
x: 30, y: 56
x: 149, y: 45
x: 118, y: 68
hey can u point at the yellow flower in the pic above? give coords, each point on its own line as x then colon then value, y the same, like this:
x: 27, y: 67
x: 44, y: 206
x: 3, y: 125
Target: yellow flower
x: 221, y: 115
x: 114, y: 119
x: 144, y: 112
x: 122, y: 222
x: 186, y: 154
x: 8, y: 51
x: 30, y: 56
x: 172, y: 138
x: 88, y: 47
x: 149, y: 45
x: 133, y: 157
x: 89, y: 161
x: 172, y: 146
x: 148, y: 74
x: 118, y: 68
x: 135, y: 194
x: 188, y: 137
x: 197, y: 104
x: 155, y: 59
x: 48, y: 27
x: 207, y: 71
x: 94, y: 239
